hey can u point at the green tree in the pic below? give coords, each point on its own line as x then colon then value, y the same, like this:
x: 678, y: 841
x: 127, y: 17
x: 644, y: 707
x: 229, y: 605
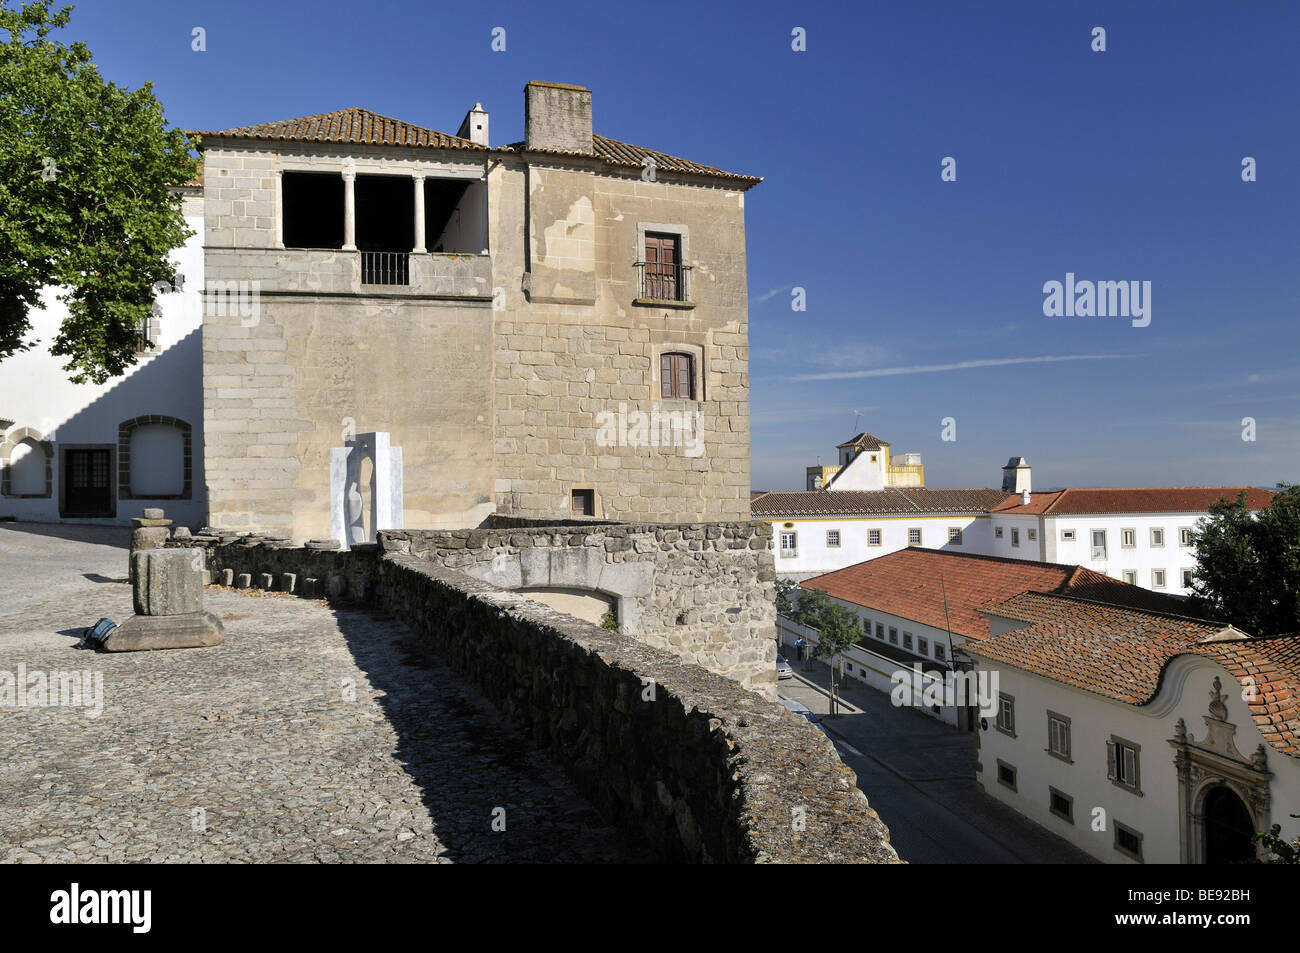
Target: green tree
x: 839, y: 631
x: 1279, y: 850
x: 1248, y: 564
x: 87, y: 170
x: 809, y: 607
x: 784, y: 587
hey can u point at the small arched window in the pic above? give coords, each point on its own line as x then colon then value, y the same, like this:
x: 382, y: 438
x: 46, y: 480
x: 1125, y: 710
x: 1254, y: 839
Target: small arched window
x: 677, y: 375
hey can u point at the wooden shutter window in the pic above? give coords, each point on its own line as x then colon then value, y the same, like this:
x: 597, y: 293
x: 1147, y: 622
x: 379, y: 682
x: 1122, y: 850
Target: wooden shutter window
x: 676, y: 376
x: 661, y: 267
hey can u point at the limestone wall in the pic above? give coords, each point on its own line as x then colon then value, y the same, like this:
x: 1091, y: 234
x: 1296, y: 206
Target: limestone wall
x: 703, y: 591
x: 671, y: 753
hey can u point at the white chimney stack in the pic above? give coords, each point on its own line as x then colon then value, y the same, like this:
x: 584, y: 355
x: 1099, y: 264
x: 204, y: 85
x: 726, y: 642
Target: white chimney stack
x: 475, y: 126
x: 1024, y: 497
x: 1015, y: 476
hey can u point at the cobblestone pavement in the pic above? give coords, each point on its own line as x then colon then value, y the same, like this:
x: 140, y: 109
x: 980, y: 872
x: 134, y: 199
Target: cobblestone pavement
x: 310, y: 735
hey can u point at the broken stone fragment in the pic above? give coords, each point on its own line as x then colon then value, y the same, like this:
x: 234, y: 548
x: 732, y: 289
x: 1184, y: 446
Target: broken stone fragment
x: 167, y: 581
x: 143, y: 633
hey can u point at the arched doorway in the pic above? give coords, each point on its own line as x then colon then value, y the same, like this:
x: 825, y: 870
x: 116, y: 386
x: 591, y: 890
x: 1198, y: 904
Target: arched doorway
x: 1228, y: 828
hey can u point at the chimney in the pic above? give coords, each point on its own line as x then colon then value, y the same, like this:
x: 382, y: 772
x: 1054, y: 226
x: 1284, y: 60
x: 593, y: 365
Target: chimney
x: 557, y: 117
x: 1024, y: 497
x: 475, y: 126
x: 1015, y: 476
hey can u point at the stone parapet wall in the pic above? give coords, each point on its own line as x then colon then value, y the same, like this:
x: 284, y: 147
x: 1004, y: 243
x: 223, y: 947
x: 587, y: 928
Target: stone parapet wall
x: 675, y: 755
x: 703, y: 591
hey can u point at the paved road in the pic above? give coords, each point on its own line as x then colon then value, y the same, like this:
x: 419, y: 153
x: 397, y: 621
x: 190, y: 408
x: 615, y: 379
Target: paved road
x: 919, y: 775
x: 310, y: 735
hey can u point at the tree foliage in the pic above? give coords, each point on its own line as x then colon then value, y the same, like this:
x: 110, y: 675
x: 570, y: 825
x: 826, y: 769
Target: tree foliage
x: 1280, y: 852
x: 1248, y: 564
x: 87, y: 170
x: 784, y: 606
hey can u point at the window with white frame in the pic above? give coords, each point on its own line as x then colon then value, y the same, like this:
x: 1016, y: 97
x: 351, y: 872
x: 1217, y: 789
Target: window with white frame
x: 914, y: 536
x: 1184, y: 536
x: 922, y: 645
x: 1015, y: 537
x: 1067, y: 535
x: 1033, y: 534
x: 1157, y: 536
x: 789, y: 543
x: 1157, y: 579
x: 1122, y: 763
x: 1058, y: 736
x: 1187, y: 578
x: 1131, y: 577
x: 873, y: 537
x: 1006, y: 714
x: 940, y: 651
x: 893, y: 636
x: 1098, y: 544
x: 1128, y: 538
x: 907, y: 640
x: 880, y: 631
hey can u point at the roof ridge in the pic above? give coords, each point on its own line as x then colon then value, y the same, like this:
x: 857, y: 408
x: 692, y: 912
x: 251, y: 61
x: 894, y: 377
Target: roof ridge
x: 1207, y: 623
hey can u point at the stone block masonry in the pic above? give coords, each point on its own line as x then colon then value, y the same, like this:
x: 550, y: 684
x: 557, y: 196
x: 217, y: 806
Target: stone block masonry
x: 677, y: 756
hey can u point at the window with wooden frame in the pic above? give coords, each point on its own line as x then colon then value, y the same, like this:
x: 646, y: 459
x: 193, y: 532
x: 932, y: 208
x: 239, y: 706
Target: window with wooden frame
x: 662, y: 273
x: 677, y: 375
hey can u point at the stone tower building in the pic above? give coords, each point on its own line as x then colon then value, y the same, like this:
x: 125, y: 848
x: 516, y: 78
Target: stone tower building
x: 552, y: 327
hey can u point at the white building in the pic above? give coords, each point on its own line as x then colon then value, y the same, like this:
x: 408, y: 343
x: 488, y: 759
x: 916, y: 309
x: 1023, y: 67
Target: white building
x: 1140, y: 536
x: 104, y: 452
x: 921, y: 607
x: 1104, y: 735
x: 865, y: 464
x: 823, y: 531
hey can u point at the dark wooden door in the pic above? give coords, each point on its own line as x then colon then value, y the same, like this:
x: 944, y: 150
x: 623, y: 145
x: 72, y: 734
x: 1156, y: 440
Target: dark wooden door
x: 1228, y: 829
x: 87, y: 483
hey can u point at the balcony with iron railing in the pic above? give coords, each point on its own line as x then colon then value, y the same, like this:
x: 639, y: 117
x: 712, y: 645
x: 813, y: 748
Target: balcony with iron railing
x: 659, y: 282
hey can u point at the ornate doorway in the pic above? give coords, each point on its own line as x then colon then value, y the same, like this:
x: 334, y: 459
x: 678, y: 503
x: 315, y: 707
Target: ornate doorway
x: 1229, y: 828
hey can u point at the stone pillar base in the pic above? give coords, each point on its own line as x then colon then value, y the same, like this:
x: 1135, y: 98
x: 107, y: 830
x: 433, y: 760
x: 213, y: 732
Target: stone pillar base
x: 143, y: 633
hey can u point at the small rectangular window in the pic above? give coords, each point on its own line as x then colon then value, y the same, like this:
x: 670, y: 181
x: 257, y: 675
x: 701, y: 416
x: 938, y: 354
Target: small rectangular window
x: 1131, y: 577
x: 922, y: 645
x: 1015, y: 537
x: 1157, y: 536
x: 1098, y: 544
x: 1062, y: 805
x: 873, y: 537
x: 1123, y: 764
x: 1067, y: 535
x: 1128, y: 841
x: 1128, y: 538
x: 584, y: 502
x: 914, y: 536
x: 954, y: 535
x: 1187, y: 578
x: 880, y: 630
x: 1184, y: 536
x: 907, y: 640
x: 940, y: 651
x: 997, y: 532
x: 893, y: 636
x: 1157, y: 579
x: 1006, y: 775
x: 1033, y: 534
x: 789, y: 544
x: 677, y: 376
x: 832, y: 538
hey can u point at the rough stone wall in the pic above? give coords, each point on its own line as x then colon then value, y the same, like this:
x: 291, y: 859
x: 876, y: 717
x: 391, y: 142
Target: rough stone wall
x: 572, y: 342
x: 703, y: 591
x: 675, y: 755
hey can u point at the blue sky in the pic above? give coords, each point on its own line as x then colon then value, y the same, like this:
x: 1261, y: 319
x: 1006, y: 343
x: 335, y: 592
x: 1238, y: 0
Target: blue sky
x: 1122, y: 165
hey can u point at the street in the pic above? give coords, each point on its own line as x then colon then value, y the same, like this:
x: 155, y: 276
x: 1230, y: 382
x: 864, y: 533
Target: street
x: 918, y: 774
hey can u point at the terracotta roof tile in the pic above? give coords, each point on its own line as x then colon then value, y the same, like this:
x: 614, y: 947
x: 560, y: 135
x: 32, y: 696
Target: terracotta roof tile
x: 353, y: 126
x: 1184, y: 499
x: 1110, y: 650
x: 907, y: 583
x: 870, y: 502
x: 625, y: 155
x: 1273, y: 665
x: 864, y: 440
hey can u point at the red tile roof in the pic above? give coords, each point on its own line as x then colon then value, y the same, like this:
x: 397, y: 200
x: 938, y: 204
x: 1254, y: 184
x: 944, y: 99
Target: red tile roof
x: 918, y: 500
x: 1184, y: 499
x: 1273, y: 665
x: 358, y: 126
x: 865, y: 441
x: 907, y: 584
x: 353, y: 126
x: 1109, y: 650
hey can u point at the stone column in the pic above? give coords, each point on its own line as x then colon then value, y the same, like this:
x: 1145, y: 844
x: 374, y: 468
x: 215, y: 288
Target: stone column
x: 279, y: 209
x: 349, y: 210
x: 419, y: 215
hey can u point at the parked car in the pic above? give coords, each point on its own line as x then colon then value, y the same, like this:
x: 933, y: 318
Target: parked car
x: 805, y: 712
x: 783, y: 669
